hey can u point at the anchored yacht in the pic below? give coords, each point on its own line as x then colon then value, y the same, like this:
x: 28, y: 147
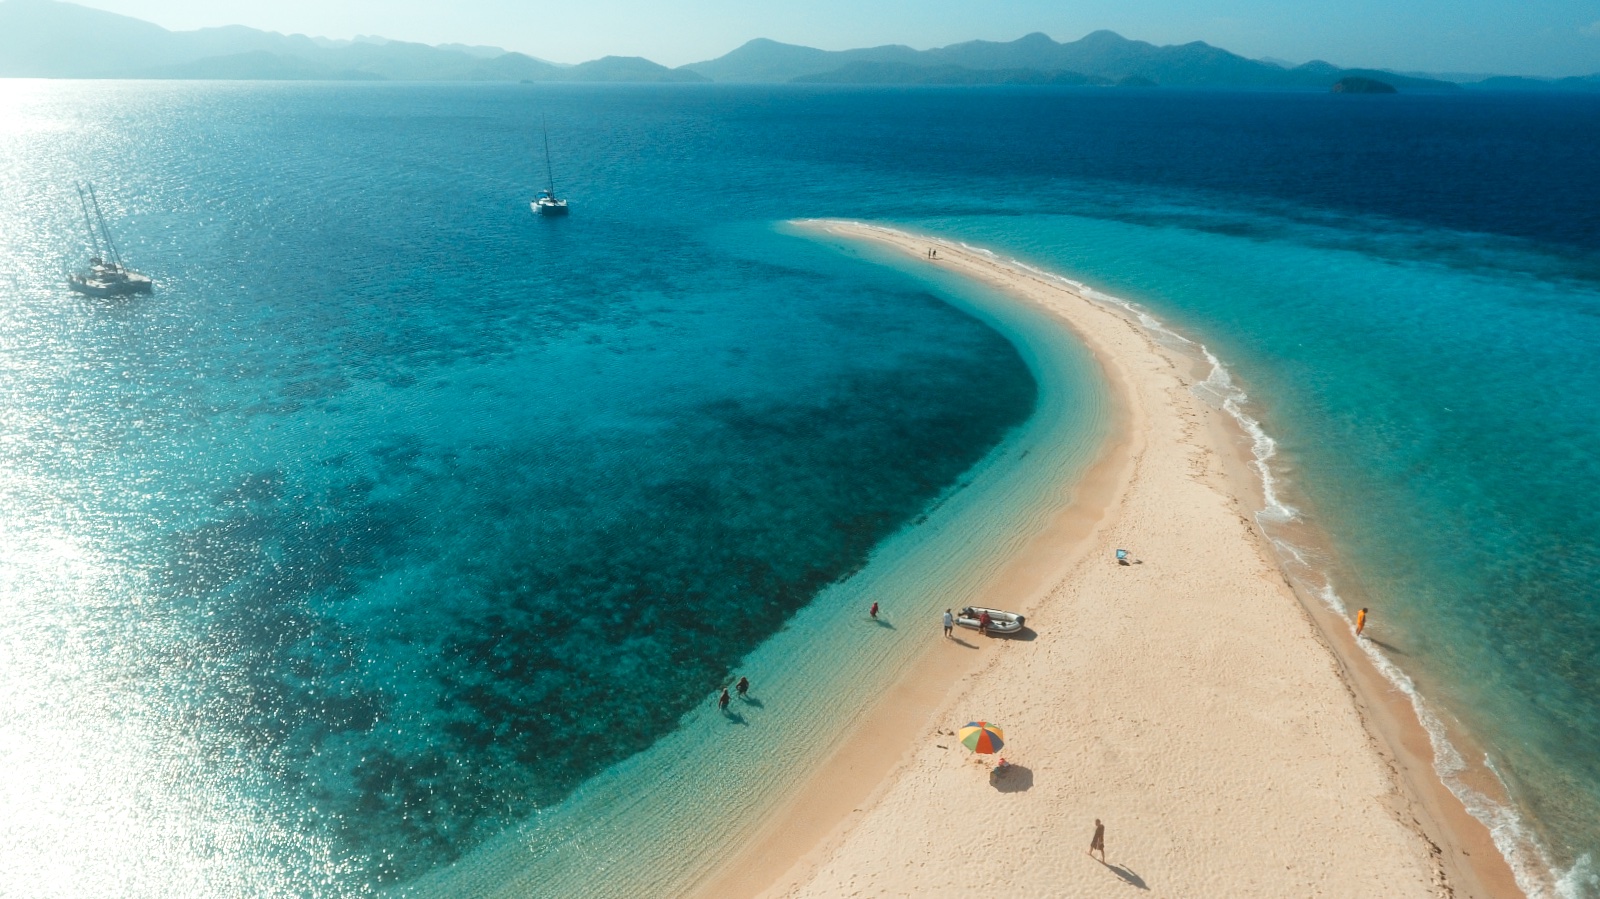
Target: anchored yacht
x: 106, y: 276
x: 547, y: 203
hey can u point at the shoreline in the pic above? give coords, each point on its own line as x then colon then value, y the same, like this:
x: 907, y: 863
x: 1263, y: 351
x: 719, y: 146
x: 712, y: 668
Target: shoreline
x: 1364, y: 738
x: 830, y: 801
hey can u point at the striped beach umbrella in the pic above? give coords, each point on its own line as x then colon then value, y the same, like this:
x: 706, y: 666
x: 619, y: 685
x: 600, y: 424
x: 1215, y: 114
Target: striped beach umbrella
x: 980, y: 736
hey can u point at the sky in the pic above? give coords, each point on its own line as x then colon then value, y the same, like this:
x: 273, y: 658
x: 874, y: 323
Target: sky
x: 1530, y: 37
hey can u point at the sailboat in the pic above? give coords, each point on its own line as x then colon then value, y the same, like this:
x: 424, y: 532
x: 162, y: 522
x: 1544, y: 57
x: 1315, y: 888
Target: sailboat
x: 546, y: 203
x: 106, y: 276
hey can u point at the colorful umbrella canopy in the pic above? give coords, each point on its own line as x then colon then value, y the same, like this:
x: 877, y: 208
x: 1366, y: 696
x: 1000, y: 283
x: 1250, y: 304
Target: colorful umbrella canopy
x: 980, y: 736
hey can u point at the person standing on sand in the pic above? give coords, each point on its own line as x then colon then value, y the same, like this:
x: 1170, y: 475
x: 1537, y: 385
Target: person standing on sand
x: 1361, y: 621
x: 949, y: 622
x: 983, y: 624
x: 722, y: 701
x: 873, y: 611
x: 743, y: 686
x: 1098, y: 841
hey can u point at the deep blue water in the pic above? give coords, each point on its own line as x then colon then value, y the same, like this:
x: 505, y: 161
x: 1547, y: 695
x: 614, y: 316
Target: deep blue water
x: 398, y: 512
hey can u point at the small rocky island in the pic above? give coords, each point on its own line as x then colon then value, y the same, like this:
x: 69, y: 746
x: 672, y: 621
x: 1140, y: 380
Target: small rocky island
x: 1358, y: 85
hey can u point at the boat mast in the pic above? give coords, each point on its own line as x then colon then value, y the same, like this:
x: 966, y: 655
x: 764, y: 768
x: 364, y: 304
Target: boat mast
x: 106, y: 232
x: 94, y: 239
x: 548, y: 171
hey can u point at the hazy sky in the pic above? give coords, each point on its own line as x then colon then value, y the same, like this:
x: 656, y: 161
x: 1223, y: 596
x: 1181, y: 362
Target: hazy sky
x: 1544, y: 37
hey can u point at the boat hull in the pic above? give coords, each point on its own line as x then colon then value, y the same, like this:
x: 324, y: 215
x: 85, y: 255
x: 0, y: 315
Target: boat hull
x: 124, y: 285
x: 549, y: 207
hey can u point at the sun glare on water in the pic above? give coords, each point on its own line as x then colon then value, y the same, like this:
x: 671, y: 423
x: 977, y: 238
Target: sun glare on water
x: 24, y: 107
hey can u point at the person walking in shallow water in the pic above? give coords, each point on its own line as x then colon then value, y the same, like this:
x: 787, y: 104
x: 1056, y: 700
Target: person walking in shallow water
x: 873, y: 611
x: 1361, y: 621
x: 743, y: 686
x: 949, y: 622
x: 722, y: 701
x: 1098, y: 841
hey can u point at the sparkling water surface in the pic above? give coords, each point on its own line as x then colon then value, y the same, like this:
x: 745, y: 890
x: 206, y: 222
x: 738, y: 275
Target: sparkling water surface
x: 396, y: 514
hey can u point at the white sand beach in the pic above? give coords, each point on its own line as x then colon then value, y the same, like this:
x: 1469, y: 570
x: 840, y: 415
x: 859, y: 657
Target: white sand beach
x: 1190, y: 701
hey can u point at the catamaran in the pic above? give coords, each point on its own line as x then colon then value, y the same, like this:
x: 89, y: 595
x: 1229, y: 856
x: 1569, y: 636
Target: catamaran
x: 546, y: 203
x: 106, y: 276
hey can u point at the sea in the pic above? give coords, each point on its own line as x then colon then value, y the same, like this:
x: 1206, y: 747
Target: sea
x: 399, y: 543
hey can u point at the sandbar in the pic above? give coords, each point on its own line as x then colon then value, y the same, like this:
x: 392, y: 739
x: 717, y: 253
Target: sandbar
x: 1228, y: 733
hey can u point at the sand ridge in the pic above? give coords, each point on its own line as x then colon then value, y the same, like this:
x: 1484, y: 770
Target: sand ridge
x: 1186, y: 700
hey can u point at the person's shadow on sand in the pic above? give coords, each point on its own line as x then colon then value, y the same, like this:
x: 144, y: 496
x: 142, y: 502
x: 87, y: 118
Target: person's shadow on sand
x: 960, y: 642
x: 734, y: 717
x: 882, y: 623
x: 1127, y: 875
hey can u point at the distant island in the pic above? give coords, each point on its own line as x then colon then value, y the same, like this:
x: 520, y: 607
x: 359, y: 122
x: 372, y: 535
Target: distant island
x: 50, y: 39
x: 1358, y: 85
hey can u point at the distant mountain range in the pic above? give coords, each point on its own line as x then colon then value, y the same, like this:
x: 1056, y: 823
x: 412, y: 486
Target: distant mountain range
x: 45, y: 38
x: 1103, y: 57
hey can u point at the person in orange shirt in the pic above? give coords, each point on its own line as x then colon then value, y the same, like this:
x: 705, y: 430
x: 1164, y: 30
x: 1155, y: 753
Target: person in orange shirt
x: 1361, y: 621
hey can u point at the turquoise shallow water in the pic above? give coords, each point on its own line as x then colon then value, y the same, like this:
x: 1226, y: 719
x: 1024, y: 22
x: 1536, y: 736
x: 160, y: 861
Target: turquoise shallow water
x: 400, y: 536
x: 660, y: 819
x: 398, y: 513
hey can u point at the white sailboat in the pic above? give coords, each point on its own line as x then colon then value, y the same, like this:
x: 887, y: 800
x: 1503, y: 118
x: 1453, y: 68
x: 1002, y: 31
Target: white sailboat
x: 547, y: 203
x: 106, y: 276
